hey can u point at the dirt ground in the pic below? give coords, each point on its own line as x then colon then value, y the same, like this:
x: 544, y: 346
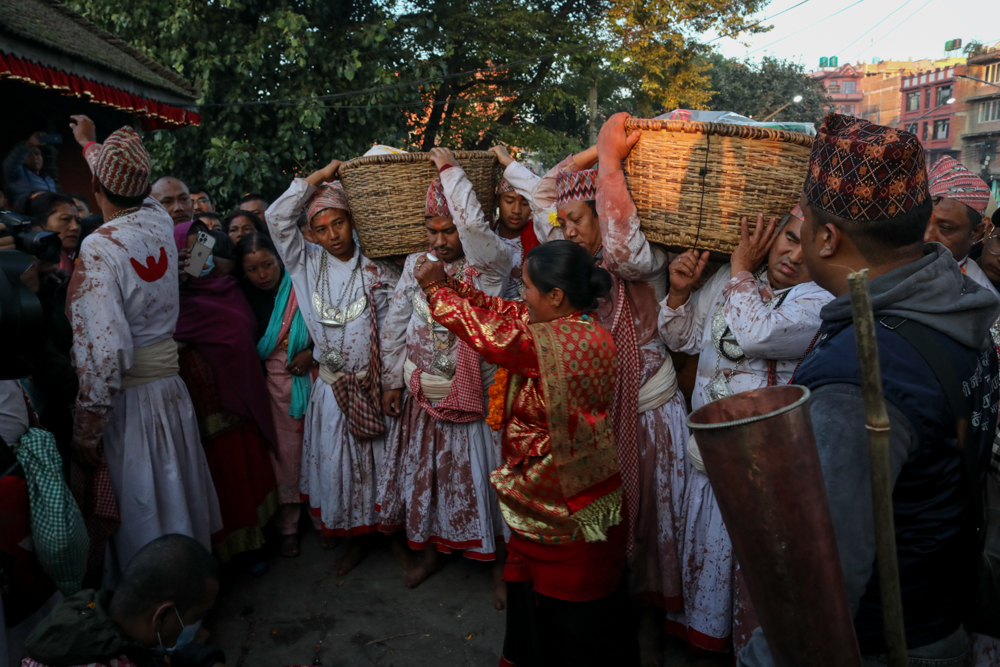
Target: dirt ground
x: 302, y: 613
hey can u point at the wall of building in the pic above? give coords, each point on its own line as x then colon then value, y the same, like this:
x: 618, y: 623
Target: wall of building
x: 924, y: 111
x: 981, y: 139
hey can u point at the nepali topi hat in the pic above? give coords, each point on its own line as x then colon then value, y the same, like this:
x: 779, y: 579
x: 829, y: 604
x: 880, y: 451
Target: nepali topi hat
x: 576, y: 185
x: 949, y: 178
x: 124, y: 165
x: 865, y: 172
x: 436, y: 205
x: 328, y: 195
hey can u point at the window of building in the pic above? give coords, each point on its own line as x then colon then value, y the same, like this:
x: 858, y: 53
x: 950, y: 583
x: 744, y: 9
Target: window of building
x: 989, y: 111
x: 941, y: 128
x: 924, y: 136
x: 927, y: 98
x: 913, y: 101
x: 992, y: 73
x: 913, y: 128
x: 943, y: 95
x: 847, y: 87
x: 950, y: 73
x: 923, y: 78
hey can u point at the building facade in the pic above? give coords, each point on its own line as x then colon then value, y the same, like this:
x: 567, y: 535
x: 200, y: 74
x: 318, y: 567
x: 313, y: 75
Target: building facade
x: 882, y: 103
x: 843, y: 86
x: 927, y: 113
x: 981, y: 137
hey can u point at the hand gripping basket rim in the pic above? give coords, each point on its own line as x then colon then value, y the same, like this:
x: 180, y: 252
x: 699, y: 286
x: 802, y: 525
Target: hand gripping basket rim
x: 386, y: 194
x: 692, y: 181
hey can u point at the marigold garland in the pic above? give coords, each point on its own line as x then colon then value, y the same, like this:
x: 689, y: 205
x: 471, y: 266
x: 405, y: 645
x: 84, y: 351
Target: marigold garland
x: 498, y: 399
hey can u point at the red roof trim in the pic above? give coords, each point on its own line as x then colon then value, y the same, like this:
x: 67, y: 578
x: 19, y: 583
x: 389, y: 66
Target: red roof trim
x: 155, y: 115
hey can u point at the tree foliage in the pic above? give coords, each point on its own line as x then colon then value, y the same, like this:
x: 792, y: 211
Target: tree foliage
x: 758, y: 89
x: 285, y: 85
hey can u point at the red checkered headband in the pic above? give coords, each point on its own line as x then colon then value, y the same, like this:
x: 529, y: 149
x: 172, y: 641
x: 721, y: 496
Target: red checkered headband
x: 436, y: 205
x: 124, y: 165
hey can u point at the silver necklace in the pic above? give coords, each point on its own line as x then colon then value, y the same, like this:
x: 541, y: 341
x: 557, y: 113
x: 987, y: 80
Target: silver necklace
x: 442, y: 363
x: 337, y: 316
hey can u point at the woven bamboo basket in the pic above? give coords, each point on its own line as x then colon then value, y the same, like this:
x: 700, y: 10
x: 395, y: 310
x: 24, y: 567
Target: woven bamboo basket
x: 386, y: 194
x: 693, y: 182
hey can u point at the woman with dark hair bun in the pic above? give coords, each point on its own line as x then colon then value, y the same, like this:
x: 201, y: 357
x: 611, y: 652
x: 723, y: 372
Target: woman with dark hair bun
x: 558, y: 485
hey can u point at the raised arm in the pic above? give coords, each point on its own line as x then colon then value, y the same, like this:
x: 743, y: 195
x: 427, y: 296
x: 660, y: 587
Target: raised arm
x: 627, y: 252
x: 502, y: 340
x: 479, y: 299
x: 546, y: 193
x: 783, y: 332
x: 682, y: 320
x: 281, y: 216
x: 392, y: 332
x: 484, y: 249
x: 102, y: 343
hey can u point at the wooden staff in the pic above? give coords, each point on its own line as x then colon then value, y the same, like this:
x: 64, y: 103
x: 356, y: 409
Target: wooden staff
x: 877, y: 425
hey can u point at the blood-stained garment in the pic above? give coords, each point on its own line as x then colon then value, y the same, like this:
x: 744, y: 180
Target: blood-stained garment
x: 434, y: 481
x: 764, y: 328
x: 124, y: 297
x: 339, y: 470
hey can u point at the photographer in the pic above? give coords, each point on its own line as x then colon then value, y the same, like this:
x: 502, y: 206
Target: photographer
x: 22, y: 169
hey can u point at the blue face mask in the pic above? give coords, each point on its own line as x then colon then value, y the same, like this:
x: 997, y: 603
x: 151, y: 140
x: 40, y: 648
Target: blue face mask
x: 186, y: 637
x: 209, y: 265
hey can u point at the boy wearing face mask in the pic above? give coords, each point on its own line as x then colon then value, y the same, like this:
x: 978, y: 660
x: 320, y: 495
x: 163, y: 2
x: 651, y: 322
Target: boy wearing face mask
x: 155, y: 613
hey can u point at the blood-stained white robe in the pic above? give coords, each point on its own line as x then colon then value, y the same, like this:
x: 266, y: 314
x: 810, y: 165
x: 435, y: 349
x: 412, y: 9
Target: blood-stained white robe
x: 124, y: 296
x: 339, y: 470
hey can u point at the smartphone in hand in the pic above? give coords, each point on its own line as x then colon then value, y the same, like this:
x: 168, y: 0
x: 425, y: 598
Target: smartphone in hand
x: 200, y: 252
x: 51, y: 138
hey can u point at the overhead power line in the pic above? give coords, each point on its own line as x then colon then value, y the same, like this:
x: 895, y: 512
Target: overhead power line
x: 763, y: 20
x: 896, y: 27
x: 839, y: 11
x: 884, y: 19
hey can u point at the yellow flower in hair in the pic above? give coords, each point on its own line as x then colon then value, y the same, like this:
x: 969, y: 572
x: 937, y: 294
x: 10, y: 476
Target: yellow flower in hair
x: 554, y: 219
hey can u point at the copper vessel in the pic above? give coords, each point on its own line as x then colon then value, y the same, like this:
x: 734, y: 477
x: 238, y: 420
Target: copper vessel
x: 761, y: 458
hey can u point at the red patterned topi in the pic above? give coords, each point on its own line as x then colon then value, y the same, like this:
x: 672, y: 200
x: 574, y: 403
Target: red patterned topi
x: 124, y: 165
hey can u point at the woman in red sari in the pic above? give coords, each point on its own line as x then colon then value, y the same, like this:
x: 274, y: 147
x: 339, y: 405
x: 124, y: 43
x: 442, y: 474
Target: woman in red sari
x: 219, y: 364
x: 559, y: 486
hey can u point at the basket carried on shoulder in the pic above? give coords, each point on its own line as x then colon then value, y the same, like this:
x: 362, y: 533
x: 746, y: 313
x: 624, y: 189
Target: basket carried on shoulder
x: 386, y: 194
x: 692, y: 182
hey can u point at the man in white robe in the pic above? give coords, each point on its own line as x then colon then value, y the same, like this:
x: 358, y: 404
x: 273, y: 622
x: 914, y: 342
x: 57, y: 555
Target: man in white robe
x: 339, y: 467
x: 123, y: 304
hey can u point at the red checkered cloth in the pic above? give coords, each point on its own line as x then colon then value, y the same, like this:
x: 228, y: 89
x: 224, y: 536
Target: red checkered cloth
x: 436, y: 205
x: 949, y: 178
x: 865, y: 172
x: 361, y: 400
x: 625, y: 413
x: 124, y: 165
x: 96, y: 499
x: 466, y: 401
x: 504, y: 186
x: 576, y: 185
x: 328, y: 195
x: 797, y: 212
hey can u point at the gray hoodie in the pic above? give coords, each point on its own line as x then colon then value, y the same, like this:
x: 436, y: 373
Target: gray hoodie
x: 934, y: 292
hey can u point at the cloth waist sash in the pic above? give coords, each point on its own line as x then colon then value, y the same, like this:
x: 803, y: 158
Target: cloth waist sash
x: 694, y: 455
x: 328, y: 377
x: 435, y: 387
x: 658, y: 389
x: 153, y: 362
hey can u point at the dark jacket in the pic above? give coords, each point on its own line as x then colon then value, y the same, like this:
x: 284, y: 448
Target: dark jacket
x: 80, y: 631
x: 935, y: 544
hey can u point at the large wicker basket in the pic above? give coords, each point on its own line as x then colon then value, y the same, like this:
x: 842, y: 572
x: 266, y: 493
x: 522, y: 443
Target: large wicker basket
x: 692, y: 182
x: 387, y: 194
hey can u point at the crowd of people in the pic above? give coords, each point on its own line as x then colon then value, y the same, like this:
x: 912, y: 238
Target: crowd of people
x: 509, y: 394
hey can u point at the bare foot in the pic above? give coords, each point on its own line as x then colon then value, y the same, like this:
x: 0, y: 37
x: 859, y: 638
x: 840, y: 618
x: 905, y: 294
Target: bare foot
x: 328, y: 542
x: 290, y: 546
x: 428, y: 565
x: 650, y: 636
x: 356, y: 552
x: 499, y: 585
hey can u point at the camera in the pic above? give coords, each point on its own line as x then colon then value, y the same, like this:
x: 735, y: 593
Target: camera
x: 46, y: 246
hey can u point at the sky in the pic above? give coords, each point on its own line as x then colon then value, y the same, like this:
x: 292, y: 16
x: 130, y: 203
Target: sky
x: 862, y: 30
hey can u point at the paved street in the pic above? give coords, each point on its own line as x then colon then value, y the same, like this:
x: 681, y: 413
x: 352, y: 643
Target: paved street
x: 302, y: 613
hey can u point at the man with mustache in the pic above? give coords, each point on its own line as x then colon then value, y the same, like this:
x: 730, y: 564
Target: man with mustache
x: 434, y: 477
x: 751, y: 323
